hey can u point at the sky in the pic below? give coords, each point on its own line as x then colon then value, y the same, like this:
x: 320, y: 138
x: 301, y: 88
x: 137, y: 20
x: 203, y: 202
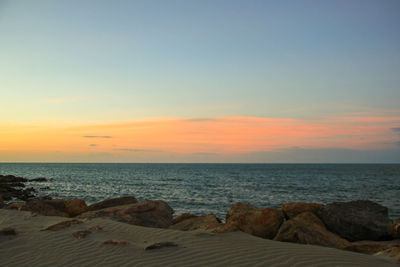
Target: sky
x: 200, y: 81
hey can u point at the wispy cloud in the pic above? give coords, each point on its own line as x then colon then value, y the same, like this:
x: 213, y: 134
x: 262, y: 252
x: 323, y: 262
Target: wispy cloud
x: 396, y: 129
x: 97, y: 136
x: 92, y: 144
x: 136, y: 150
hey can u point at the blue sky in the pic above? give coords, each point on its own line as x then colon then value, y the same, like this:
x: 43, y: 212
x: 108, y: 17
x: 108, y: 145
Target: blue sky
x: 106, y: 61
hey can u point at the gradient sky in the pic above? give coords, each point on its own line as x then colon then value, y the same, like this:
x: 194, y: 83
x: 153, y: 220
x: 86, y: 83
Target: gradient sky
x: 200, y: 81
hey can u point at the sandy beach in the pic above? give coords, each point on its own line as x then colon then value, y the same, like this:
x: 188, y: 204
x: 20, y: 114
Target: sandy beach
x: 34, y: 246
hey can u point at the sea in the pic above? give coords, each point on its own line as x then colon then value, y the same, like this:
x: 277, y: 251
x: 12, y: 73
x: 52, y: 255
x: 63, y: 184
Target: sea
x: 214, y: 188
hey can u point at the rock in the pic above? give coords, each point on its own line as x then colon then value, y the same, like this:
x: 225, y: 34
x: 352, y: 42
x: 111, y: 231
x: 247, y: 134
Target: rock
x: 307, y: 228
x: 356, y: 220
x: 54, y: 207
x: 112, y: 203
x: 394, y: 229
x: 393, y: 252
x: 81, y: 234
x: 205, y: 222
x: 293, y: 209
x: 75, y: 207
x: 156, y: 214
x: 161, y: 245
x: 371, y: 247
x: 62, y: 225
x: 116, y: 243
x: 183, y: 217
x: 2, y: 204
x: 8, y: 231
x: 264, y: 223
x: 40, y: 179
x: 16, y: 206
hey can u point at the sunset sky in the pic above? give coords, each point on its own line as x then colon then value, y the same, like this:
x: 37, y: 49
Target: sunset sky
x: 200, y: 81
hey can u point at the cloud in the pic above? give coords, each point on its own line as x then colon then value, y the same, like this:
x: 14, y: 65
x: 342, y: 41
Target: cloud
x: 97, y: 136
x: 136, y: 150
x: 397, y: 129
x: 93, y: 145
x: 202, y: 119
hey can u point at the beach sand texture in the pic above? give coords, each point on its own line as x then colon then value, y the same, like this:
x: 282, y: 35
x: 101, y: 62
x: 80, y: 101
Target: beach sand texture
x: 33, y: 246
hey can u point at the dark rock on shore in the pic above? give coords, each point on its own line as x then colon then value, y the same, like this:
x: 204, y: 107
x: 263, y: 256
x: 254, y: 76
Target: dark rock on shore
x: 182, y: 217
x: 205, y: 222
x: 394, y: 229
x: 112, y: 203
x: 263, y: 223
x: 307, y: 228
x: 293, y: 209
x: 13, y: 187
x: 56, y: 207
x: 40, y: 179
x: 356, y: 220
x: 156, y: 214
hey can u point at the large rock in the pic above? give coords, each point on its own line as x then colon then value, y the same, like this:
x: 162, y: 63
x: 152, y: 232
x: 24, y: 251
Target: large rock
x: 206, y: 222
x: 394, y: 229
x: 112, y: 203
x: 356, y: 220
x: 249, y: 219
x: 56, y: 207
x: 150, y: 213
x: 371, y: 247
x: 75, y: 207
x: 293, y: 209
x: 182, y: 217
x: 307, y: 228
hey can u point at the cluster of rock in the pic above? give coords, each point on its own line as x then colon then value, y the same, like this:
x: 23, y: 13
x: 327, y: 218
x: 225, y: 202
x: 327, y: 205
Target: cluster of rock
x: 360, y: 226
x: 13, y: 187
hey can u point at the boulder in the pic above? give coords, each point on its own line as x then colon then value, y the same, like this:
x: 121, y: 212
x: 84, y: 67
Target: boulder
x: 206, y: 222
x: 156, y: 214
x: 307, y: 228
x: 293, y: 209
x: 394, y: 229
x: 54, y: 207
x: 112, y: 203
x: 40, y: 179
x: 356, y: 220
x: 263, y: 223
x: 75, y: 207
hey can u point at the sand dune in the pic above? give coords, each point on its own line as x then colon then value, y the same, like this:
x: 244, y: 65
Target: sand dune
x: 33, y: 247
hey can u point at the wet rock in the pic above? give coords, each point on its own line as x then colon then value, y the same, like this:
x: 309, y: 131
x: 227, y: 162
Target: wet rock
x: 264, y: 223
x: 81, y: 234
x: 293, y: 209
x: 75, y: 207
x: 307, y: 228
x: 39, y: 179
x: 45, y: 188
x: 356, y: 220
x: 13, y: 187
x: 63, y: 225
x: 8, y: 231
x: 161, y: 245
x: 156, y: 214
x: 116, y: 243
x: 182, y: 217
x: 112, y: 203
x: 206, y: 222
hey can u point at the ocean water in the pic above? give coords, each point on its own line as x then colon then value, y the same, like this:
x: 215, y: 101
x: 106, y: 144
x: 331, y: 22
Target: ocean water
x: 214, y: 188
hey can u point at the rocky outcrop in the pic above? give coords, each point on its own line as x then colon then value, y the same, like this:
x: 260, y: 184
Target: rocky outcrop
x: 156, y: 214
x: 307, y: 228
x: 112, y: 203
x: 249, y: 219
x: 13, y: 187
x: 182, y: 217
x: 56, y: 207
x: 356, y: 220
x: 206, y: 222
x: 293, y: 209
